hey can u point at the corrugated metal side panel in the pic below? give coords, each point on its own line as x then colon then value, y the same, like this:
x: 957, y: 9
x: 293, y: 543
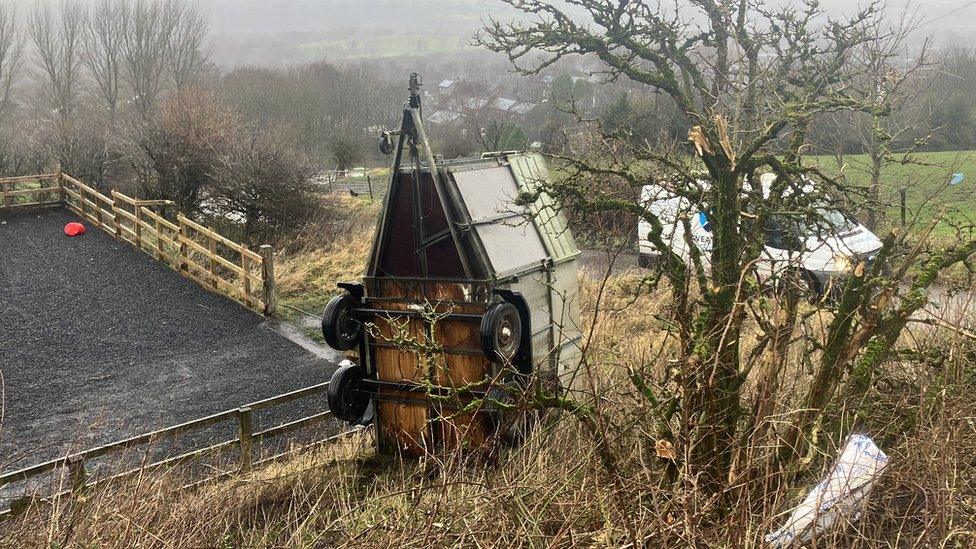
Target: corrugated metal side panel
x: 529, y: 169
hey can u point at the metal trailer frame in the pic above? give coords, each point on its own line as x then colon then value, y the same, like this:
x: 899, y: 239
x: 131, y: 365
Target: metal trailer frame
x: 523, y: 254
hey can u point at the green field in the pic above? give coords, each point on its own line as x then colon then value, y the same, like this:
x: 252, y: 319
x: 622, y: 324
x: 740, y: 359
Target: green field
x: 377, y: 46
x: 925, y: 182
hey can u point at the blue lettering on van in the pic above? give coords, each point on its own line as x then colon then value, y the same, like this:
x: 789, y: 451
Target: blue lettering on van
x: 703, y: 219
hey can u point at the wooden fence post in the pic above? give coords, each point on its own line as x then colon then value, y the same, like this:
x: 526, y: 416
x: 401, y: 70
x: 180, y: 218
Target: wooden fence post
x: 98, y: 214
x: 212, y: 248
x: 245, y: 432
x: 268, y: 277
x: 138, y: 227
x: 159, y: 238
x: 246, y: 277
x: 182, y: 239
x: 903, y: 210
x: 62, y: 196
x: 116, y: 219
x: 77, y: 474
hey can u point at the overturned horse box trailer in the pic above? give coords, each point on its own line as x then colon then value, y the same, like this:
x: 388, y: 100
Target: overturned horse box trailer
x: 469, y: 294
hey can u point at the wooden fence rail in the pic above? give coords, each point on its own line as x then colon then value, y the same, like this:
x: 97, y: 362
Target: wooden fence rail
x: 78, y: 475
x: 30, y: 191
x: 198, y: 252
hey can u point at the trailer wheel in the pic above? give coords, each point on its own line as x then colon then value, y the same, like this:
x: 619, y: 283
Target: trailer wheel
x: 647, y: 261
x: 501, y: 332
x: 340, y: 330
x: 386, y: 143
x: 346, y: 401
x: 512, y: 426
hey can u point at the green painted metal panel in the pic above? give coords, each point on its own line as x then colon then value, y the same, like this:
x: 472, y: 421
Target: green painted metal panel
x: 530, y: 170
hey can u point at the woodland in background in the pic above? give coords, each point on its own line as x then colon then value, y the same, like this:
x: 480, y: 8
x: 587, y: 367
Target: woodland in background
x: 121, y: 94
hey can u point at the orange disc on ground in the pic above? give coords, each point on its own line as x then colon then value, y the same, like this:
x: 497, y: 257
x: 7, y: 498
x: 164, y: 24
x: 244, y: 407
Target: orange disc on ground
x: 74, y: 229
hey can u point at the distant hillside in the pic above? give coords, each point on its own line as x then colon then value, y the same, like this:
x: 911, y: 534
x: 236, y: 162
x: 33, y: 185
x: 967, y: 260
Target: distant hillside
x: 281, y: 32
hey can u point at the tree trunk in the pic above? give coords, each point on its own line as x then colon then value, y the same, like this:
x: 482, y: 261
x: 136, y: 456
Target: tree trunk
x: 714, y: 388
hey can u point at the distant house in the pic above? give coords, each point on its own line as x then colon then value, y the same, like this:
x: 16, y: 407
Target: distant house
x: 443, y: 117
x: 460, y: 100
x: 446, y: 87
x: 503, y: 104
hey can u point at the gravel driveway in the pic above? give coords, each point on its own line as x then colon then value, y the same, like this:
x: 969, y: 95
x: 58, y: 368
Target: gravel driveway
x: 99, y: 342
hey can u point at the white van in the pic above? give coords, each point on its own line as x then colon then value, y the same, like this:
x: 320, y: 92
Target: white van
x: 823, y: 255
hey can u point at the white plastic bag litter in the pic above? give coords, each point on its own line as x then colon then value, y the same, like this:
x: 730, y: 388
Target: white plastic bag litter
x: 838, y: 497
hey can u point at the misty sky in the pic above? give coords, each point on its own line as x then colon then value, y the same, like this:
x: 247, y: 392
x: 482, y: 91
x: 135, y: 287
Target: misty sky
x: 294, y: 31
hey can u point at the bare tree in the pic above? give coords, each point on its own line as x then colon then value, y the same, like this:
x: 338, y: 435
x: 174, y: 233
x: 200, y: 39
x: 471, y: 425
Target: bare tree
x: 750, y: 79
x: 955, y: 91
x: 499, y: 135
x: 896, y: 121
x: 102, y: 51
x: 11, y: 51
x: 57, y: 39
x: 185, y: 54
x: 148, y: 28
x: 263, y: 182
x: 176, y: 147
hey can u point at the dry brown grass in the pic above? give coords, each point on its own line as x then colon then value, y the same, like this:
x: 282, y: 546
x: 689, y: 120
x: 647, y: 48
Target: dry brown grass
x: 550, y: 492
x: 331, y: 248
x: 553, y: 490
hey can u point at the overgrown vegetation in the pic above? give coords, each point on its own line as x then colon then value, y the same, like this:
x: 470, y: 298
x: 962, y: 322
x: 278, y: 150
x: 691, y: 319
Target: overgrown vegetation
x: 554, y: 491
x: 331, y: 247
x: 716, y: 397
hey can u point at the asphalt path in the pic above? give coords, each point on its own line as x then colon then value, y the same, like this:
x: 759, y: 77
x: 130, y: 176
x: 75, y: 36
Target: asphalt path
x: 946, y: 306
x: 98, y: 342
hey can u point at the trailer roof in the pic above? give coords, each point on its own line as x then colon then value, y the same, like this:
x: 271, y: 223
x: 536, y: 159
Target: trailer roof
x: 530, y: 169
x: 515, y: 237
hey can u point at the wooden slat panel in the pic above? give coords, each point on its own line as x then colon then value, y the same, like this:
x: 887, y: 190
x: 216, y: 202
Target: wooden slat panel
x: 410, y: 427
x: 128, y: 215
x: 162, y: 220
x: 121, y: 197
x: 203, y: 273
x: 403, y: 426
x: 210, y: 255
x: 212, y: 234
x: 471, y: 429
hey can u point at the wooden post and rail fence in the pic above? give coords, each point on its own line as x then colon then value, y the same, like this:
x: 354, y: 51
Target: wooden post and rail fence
x: 80, y: 480
x: 195, y: 251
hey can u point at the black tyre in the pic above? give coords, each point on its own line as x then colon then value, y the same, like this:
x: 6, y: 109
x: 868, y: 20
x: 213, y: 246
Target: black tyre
x: 501, y: 332
x: 645, y: 261
x: 386, y: 143
x: 340, y: 330
x: 346, y: 401
x: 512, y: 426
